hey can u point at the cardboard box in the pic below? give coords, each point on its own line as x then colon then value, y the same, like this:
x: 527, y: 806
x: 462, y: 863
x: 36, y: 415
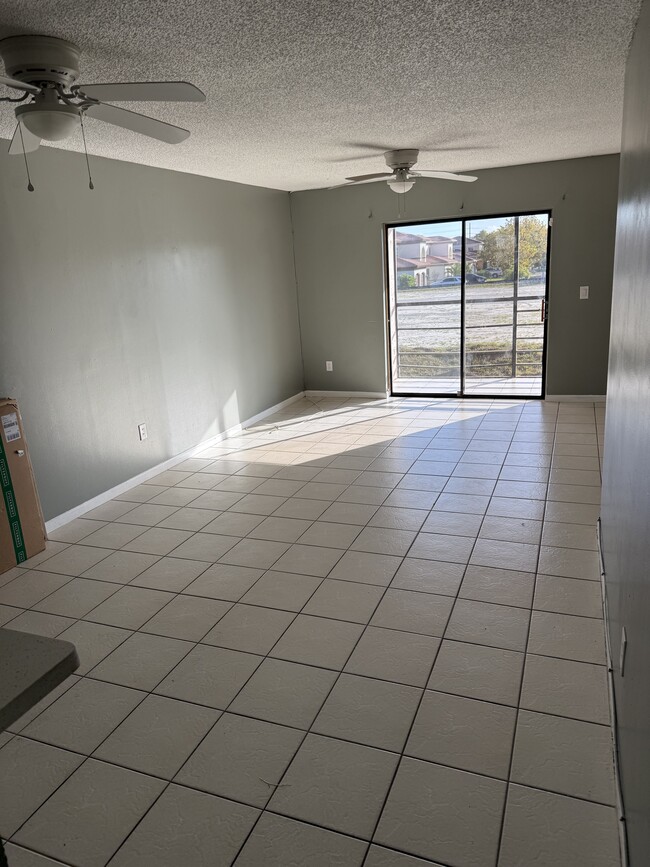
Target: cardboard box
x: 22, y: 529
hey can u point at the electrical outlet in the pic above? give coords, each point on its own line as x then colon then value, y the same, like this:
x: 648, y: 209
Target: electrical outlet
x: 142, y: 431
x: 584, y: 293
x: 329, y: 365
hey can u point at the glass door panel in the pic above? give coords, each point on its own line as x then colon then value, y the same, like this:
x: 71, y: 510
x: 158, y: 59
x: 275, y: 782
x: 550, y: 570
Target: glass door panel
x: 425, y: 307
x: 505, y: 280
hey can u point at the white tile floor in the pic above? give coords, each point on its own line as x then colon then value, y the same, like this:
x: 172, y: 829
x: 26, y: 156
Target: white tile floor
x: 358, y: 630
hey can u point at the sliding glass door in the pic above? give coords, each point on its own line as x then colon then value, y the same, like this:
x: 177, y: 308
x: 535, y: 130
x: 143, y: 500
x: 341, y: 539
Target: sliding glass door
x: 467, y: 306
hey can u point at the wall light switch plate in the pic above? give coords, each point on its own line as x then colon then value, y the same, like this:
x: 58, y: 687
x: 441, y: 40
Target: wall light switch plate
x: 142, y: 431
x: 584, y: 293
x: 329, y: 365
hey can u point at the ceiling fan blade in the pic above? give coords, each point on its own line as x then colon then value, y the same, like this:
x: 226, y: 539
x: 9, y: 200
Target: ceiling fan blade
x: 446, y: 176
x: 377, y: 148
x: 373, y: 146
x: 137, y: 122
x: 443, y: 149
x: 435, y: 150
x: 357, y: 178
x: 31, y: 142
x: 142, y: 91
x: 368, y: 180
x: 19, y: 85
x: 351, y: 159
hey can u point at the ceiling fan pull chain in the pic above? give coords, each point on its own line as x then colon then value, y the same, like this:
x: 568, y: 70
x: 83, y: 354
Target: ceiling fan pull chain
x: 91, y: 186
x: 30, y: 185
x: 401, y: 205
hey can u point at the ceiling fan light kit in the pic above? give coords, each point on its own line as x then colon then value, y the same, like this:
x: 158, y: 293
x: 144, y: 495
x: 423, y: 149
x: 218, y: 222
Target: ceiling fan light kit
x: 46, y: 68
x: 52, y: 122
x: 400, y: 183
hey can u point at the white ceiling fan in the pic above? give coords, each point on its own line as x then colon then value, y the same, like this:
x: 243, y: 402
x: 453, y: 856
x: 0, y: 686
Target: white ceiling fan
x: 46, y: 68
x: 402, y: 177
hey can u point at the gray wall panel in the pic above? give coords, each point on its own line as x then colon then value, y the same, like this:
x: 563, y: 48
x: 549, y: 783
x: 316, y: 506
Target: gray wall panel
x: 626, y: 476
x: 160, y: 297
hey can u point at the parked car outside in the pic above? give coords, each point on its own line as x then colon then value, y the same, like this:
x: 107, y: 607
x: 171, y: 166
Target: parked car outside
x: 471, y: 277
x: 447, y: 281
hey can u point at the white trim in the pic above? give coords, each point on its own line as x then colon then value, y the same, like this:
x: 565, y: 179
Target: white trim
x: 260, y: 415
x: 576, y: 398
x: 377, y: 394
x: 82, y: 508
x: 620, y: 805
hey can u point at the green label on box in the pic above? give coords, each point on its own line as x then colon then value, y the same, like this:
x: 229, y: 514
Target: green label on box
x: 12, y: 507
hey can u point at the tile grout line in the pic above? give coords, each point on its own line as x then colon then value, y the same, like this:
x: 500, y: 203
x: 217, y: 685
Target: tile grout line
x: 226, y: 710
x: 449, y: 618
x: 512, y: 752
x: 168, y: 782
x: 322, y: 705
x: 309, y: 730
x: 521, y: 686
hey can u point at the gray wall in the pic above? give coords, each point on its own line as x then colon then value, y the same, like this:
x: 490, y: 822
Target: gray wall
x: 340, y: 268
x: 160, y: 297
x: 626, y: 477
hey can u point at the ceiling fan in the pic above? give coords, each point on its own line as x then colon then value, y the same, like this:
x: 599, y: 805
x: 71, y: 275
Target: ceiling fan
x: 401, y: 176
x: 46, y: 68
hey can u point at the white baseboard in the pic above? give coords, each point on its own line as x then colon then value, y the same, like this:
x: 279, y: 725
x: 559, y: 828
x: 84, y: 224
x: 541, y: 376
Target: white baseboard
x: 260, y: 415
x: 576, y: 398
x: 377, y: 394
x: 82, y: 508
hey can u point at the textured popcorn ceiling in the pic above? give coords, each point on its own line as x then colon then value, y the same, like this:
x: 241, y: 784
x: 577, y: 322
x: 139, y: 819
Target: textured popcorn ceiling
x: 295, y: 86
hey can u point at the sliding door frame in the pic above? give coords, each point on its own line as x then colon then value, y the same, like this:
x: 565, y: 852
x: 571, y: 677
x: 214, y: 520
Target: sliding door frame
x: 548, y: 213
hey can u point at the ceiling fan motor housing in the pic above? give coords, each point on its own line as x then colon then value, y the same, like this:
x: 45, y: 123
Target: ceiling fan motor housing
x: 40, y: 59
x: 401, y: 159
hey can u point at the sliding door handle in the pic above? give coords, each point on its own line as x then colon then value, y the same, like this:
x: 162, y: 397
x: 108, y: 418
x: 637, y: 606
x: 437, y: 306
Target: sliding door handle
x: 543, y: 319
